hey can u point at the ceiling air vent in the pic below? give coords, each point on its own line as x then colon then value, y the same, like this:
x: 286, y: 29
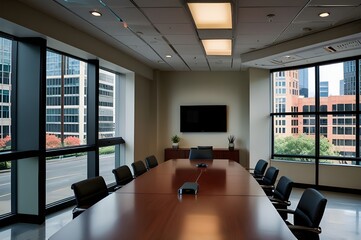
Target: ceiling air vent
x: 343, y: 46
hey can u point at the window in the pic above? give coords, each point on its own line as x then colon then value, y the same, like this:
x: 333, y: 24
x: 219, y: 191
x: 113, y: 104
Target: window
x: 334, y: 131
x: 5, y: 93
x: 65, y: 124
x: 65, y: 105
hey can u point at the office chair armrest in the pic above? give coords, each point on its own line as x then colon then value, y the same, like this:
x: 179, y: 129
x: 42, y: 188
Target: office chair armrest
x: 289, y: 211
x: 303, y: 228
x: 269, y: 187
x: 279, y: 202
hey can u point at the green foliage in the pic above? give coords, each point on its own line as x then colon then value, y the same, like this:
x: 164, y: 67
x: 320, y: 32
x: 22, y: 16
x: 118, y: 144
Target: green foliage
x: 175, y: 139
x: 107, y: 150
x: 303, y: 145
x: 231, y: 138
x: 5, y: 165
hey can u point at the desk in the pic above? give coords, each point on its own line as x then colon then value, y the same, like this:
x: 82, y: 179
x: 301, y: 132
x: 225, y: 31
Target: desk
x: 229, y: 205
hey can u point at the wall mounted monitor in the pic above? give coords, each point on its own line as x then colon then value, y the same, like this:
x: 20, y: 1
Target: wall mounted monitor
x: 203, y: 118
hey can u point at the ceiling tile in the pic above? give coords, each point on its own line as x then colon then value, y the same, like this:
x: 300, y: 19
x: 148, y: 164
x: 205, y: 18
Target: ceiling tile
x: 167, y: 15
x: 259, y: 15
x: 189, y: 49
x: 260, y: 28
x: 170, y: 29
x: 273, y: 3
x: 182, y: 39
x: 335, y: 3
x: 158, y: 3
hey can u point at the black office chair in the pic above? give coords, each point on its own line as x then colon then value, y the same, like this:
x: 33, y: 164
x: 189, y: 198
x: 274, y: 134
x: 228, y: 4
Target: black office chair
x: 267, y: 182
x: 307, y: 215
x: 205, y: 147
x: 87, y: 193
x: 138, y: 168
x: 259, y: 169
x: 151, y: 162
x: 122, y: 175
x: 195, y: 153
x: 281, y: 195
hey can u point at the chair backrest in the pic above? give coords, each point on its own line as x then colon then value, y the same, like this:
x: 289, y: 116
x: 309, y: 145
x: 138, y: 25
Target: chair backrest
x: 260, y: 167
x: 310, y: 208
x: 151, y: 161
x: 196, y: 153
x: 270, y: 176
x: 283, y: 189
x: 205, y: 147
x: 122, y: 175
x: 89, y: 191
x: 138, y: 168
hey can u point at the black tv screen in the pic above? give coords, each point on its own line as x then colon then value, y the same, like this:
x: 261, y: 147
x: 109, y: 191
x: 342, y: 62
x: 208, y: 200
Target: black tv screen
x: 203, y: 118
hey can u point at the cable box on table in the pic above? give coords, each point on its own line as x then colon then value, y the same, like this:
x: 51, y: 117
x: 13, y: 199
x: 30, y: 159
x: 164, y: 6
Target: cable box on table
x: 188, y: 188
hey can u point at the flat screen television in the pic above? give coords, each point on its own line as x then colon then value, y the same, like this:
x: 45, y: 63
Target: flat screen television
x: 203, y: 118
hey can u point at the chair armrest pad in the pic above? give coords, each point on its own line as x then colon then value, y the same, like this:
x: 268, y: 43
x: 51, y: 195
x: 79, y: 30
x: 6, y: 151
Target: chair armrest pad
x: 286, y: 211
x: 303, y: 228
x: 268, y: 186
x: 280, y: 202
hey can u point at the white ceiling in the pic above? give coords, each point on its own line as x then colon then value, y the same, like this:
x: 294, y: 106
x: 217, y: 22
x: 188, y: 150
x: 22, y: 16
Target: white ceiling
x: 157, y: 28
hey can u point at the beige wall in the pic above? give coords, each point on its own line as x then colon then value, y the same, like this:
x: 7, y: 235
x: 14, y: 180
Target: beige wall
x: 192, y: 88
x: 259, y: 115
x: 145, y: 134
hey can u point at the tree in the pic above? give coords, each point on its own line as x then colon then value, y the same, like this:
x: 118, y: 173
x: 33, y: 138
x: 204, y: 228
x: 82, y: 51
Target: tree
x: 52, y: 141
x: 71, y: 141
x: 303, y: 145
x: 4, y: 142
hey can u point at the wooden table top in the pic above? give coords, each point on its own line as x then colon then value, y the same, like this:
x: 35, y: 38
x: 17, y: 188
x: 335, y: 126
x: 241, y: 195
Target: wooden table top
x: 229, y: 205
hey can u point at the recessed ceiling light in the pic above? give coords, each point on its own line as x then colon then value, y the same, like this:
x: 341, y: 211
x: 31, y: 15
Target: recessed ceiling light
x: 218, y: 47
x: 211, y: 15
x: 324, y: 14
x: 95, y: 13
x: 168, y: 56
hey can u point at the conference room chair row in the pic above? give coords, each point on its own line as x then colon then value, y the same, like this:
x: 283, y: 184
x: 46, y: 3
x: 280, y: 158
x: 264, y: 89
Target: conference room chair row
x: 310, y: 208
x: 89, y: 191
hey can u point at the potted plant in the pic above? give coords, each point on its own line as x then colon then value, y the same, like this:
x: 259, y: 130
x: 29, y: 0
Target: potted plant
x: 231, y: 140
x: 175, y: 141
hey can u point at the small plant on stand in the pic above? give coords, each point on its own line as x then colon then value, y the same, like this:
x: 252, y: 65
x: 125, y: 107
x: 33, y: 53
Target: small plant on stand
x: 231, y: 140
x: 175, y: 141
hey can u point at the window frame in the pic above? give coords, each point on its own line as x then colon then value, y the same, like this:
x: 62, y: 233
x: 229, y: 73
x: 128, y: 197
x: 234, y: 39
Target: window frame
x: 318, y: 113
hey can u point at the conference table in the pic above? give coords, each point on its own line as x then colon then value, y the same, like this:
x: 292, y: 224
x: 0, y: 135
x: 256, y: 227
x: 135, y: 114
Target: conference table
x: 229, y: 204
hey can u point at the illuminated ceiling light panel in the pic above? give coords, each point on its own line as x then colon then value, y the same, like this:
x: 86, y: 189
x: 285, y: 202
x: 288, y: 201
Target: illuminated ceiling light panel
x: 218, y: 47
x: 211, y: 15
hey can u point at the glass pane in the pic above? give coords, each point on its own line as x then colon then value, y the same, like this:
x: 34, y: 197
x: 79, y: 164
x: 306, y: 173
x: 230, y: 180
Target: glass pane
x: 293, y: 89
x: 107, y: 163
x: 338, y: 87
x: 5, y: 93
x: 341, y: 136
x: 107, y: 96
x: 5, y: 187
x: 294, y: 135
x: 61, y: 172
x: 65, y: 101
